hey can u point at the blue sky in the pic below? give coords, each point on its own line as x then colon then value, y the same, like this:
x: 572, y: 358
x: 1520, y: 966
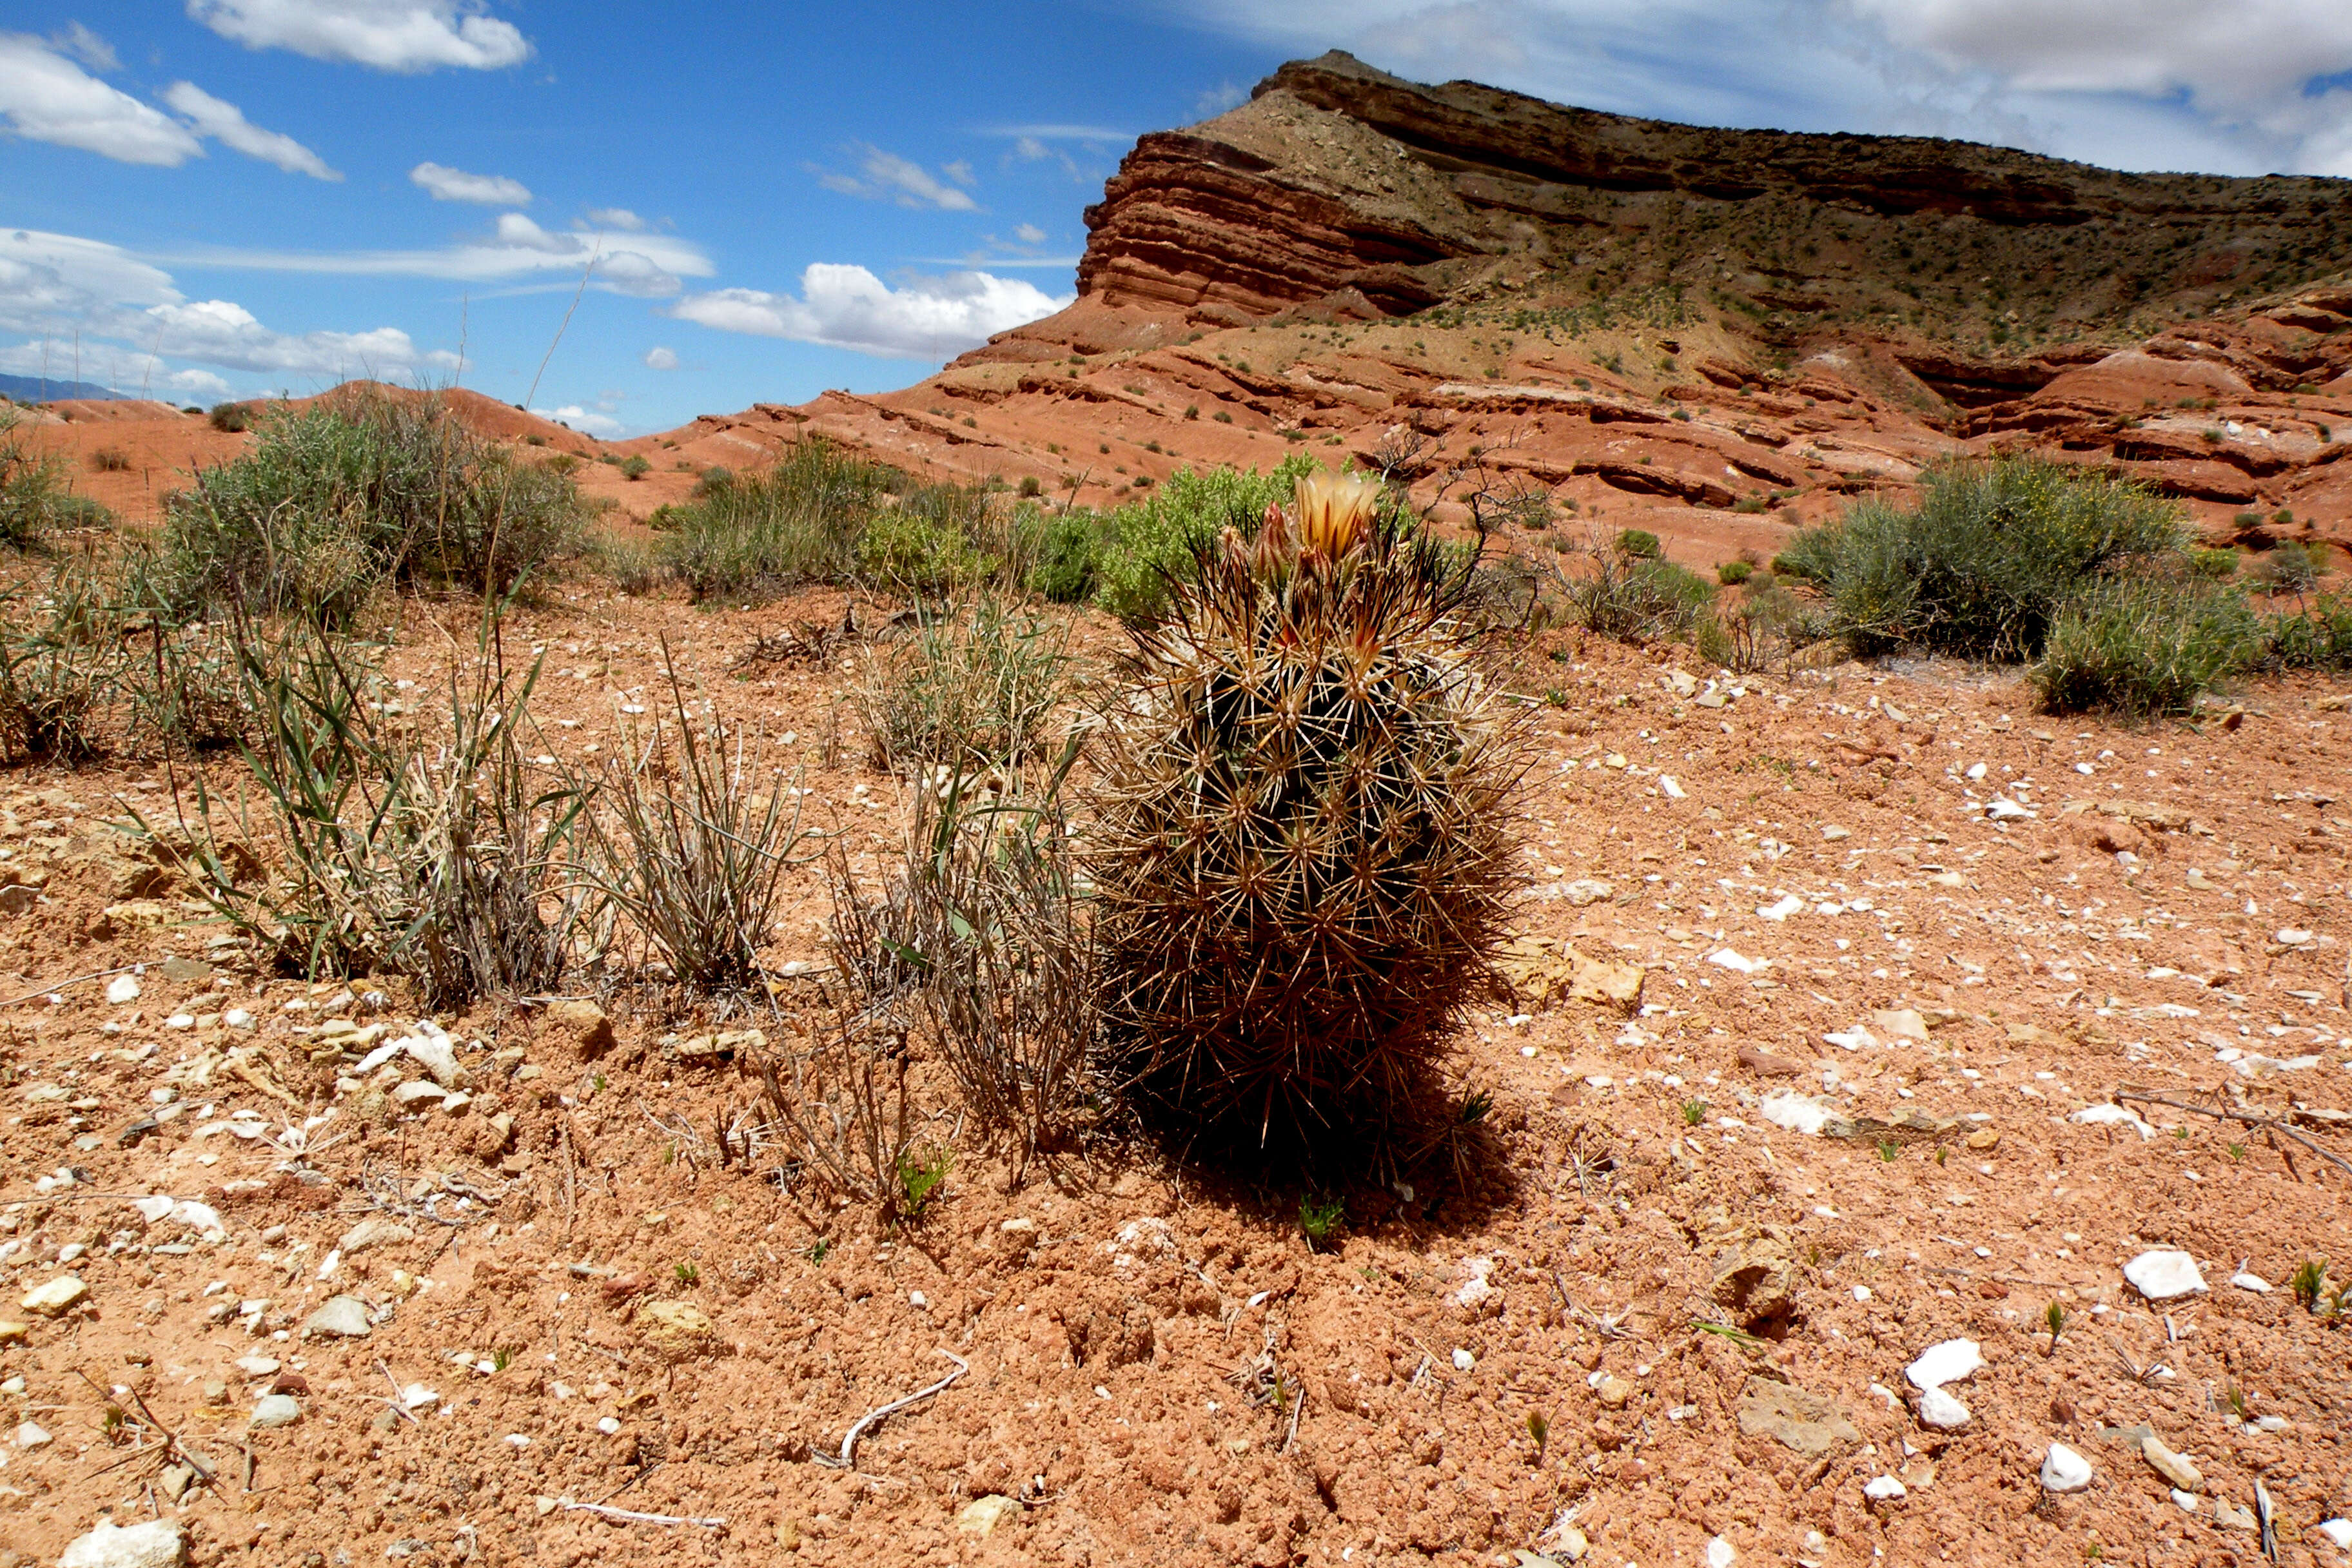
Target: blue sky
x: 224, y: 198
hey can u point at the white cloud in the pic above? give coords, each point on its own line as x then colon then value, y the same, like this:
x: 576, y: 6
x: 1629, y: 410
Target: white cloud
x: 47, y: 97
x: 87, y: 47
x: 403, y: 35
x: 449, y: 184
x: 660, y: 358
x: 1225, y: 95
x: 616, y: 217
x: 580, y: 419
x: 2248, y: 87
x: 886, y: 176
x: 518, y: 251
x: 849, y: 308
x: 1029, y: 233
x: 55, y: 286
x: 226, y: 123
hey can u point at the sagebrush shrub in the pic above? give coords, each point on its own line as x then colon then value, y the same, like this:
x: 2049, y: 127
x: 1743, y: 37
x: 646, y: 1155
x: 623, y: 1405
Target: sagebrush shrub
x: 2143, y: 647
x: 1986, y: 559
x: 340, y: 498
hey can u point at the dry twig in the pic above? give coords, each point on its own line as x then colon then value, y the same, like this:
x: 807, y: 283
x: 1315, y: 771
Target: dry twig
x: 848, y: 1459
x: 2271, y: 1123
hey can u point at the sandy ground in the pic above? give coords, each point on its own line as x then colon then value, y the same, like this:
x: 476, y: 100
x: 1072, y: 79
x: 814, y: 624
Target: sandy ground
x: 1661, y: 1319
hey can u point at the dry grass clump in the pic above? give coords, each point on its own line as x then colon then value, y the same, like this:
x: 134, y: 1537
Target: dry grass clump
x: 974, y: 687
x: 1302, y: 842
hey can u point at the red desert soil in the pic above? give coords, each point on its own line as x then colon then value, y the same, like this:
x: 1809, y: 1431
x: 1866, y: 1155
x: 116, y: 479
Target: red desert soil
x: 1833, y: 919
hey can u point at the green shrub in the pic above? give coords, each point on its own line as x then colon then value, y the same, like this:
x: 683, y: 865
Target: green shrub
x: 1148, y: 545
x: 2218, y: 565
x: 754, y: 535
x: 1639, y: 544
x: 1067, y: 546
x: 234, y: 418
x: 2316, y: 637
x: 1984, y: 561
x: 2144, y: 647
x: 2288, y: 569
x: 942, y: 539
x: 1733, y: 573
x: 634, y: 467
x: 334, y: 500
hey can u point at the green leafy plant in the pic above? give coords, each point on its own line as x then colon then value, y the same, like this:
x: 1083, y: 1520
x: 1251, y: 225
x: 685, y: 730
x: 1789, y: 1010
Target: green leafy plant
x: 919, y: 1178
x: 1639, y: 544
x: 635, y: 466
x: 688, y: 1273
x: 1319, y: 1217
x: 1890, y: 1152
x: 817, y: 1251
x: 1149, y: 547
x: 1733, y: 573
x: 2053, y: 1317
x: 2308, y: 1281
x: 36, y: 502
x: 232, y: 419
x: 751, y: 536
x: 1634, y: 598
x: 1694, y: 1112
x: 2144, y: 647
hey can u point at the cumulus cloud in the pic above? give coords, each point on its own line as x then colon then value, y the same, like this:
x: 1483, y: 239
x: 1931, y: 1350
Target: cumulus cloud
x: 615, y: 217
x: 226, y: 123
x: 518, y: 251
x: 47, y: 96
x: 403, y: 35
x: 448, y: 185
x: 2247, y: 87
x: 660, y: 358
x: 884, y: 176
x: 849, y: 308
x: 1029, y: 233
x: 55, y: 285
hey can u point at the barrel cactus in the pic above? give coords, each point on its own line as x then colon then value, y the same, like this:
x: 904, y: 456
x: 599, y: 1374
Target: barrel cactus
x: 1303, y: 830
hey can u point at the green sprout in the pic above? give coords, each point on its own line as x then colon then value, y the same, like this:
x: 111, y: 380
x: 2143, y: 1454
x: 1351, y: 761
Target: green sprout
x: 919, y: 1180
x: 2307, y: 1283
x: 1694, y: 1112
x: 1540, y: 1430
x: 689, y: 1273
x: 2055, y: 1315
x: 1317, y: 1218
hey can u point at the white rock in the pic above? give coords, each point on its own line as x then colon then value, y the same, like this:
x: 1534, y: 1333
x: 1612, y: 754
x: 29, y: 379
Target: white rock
x: 2112, y: 1116
x: 237, y: 1018
x: 608, y: 1426
x: 1941, y: 1411
x: 2292, y: 937
x: 1950, y: 1362
x: 2165, y: 1274
x: 274, y: 1410
x: 2064, y: 1470
x: 2185, y: 1500
x: 57, y: 1298
x: 1728, y: 959
x: 1885, y: 1489
x: 2003, y: 809
x: 1832, y: 833
x: 2338, y: 1530
x: 1463, y: 1361
x: 257, y: 1365
x: 1719, y: 1553
x: 1788, y: 905
x: 2244, y: 1280
x: 345, y: 1317
x: 417, y: 1396
x: 1797, y: 1112
x: 1901, y: 1024
x: 122, y: 989
x: 31, y: 1434
x: 1673, y: 790
x: 1852, y: 1040
x: 1586, y: 891
x: 158, y: 1543
x: 433, y: 1050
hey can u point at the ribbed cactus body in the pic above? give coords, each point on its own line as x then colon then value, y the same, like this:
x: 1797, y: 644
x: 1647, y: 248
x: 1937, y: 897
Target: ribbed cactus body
x: 1303, y: 838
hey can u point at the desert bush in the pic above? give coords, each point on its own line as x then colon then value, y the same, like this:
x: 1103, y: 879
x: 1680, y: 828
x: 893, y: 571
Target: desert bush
x: 697, y: 833
x: 1148, y: 545
x: 2318, y: 637
x: 428, y: 851
x: 61, y: 661
x: 1987, y: 558
x: 1635, y: 599
x: 1639, y: 544
x: 942, y: 539
x: 232, y: 419
x: 1731, y: 574
x: 973, y: 687
x: 2144, y: 647
x: 633, y: 568
x: 2288, y: 568
x: 799, y: 520
x: 1301, y: 869
x: 984, y: 934
x: 337, y: 498
x: 36, y: 503
x: 2218, y: 565
x: 634, y: 467
x: 110, y: 461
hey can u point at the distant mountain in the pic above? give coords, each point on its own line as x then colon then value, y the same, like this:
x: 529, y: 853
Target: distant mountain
x: 44, y: 389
